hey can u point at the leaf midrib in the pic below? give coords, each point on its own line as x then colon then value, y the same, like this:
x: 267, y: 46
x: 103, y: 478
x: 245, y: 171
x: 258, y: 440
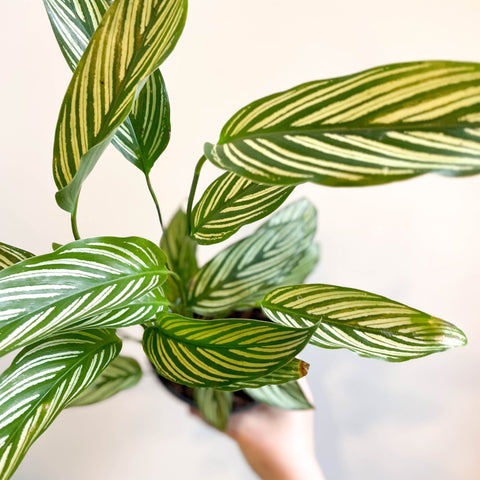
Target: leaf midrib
x: 338, y: 323
x: 346, y: 128
x: 229, y: 346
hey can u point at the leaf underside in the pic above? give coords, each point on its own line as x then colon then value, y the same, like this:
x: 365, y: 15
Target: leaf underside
x: 289, y: 396
x: 241, y: 274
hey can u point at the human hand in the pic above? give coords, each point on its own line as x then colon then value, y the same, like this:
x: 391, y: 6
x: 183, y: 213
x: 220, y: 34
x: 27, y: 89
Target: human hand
x: 278, y: 444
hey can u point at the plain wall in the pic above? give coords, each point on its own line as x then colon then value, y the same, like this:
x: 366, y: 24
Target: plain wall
x: 416, y: 241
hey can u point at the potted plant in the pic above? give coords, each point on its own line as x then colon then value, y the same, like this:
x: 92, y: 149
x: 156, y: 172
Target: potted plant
x: 62, y: 308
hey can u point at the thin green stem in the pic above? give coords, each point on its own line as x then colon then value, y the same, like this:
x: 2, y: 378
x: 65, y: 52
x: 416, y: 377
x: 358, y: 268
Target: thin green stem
x: 154, y: 198
x: 193, y: 188
x: 73, y: 221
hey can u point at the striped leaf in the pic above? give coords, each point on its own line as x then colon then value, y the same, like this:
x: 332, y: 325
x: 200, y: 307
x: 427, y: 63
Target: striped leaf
x: 231, y: 202
x: 121, y: 374
x: 133, y: 39
x: 377, y: 126
x: 289, y: 396
x: 217, y: 353
x: 304, y: 267
x: 365, y: 323
x: 42, y: 380
x: 10, y: 255
x: 241, y: 274
x: 291, y: 371
x: 146, y: 131
x: 214, y: 405
x: 83, y: 284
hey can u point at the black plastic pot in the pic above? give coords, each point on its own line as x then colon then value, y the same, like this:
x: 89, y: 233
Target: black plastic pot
x: 241, y: 399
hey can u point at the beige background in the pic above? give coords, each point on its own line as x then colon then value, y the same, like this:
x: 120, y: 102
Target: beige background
x: 416, y: 241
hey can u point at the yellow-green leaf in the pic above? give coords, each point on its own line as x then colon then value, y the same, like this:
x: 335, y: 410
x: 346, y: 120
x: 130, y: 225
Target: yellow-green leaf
x: 218, y: 353
x: 381, y: 125
x: 133, y: 39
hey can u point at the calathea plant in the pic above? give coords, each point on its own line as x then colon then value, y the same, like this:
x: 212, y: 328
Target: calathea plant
x: 204, y: 326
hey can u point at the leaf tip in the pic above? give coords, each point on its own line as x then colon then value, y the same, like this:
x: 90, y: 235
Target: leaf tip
x: 303, y: 368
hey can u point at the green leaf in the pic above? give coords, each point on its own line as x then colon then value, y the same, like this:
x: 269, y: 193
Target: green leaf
x: 304, y: 267
x: 289, y: 396
x: 240, y: 275
x: 179, y: 247
x: 181, y: 254
x: 214, y: 405
x: 145, y: 133
x: 291, y: 371
x: 365, y: 323
x: 231, y: 202
x: 381, y: 125
x: 133, y: 39
x: 121, y: 374
x: 10, y: 255
x: 42, y: 380
x: 84, y: 284
x: 217, y: 353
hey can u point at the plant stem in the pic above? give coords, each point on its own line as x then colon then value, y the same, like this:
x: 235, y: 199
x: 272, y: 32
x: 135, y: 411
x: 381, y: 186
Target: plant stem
x: 73, y: 221
x: 193, y: 188
x: 154, y: 197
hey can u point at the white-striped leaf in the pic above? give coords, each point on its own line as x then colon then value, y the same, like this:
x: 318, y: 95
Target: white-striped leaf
x: 217, y: 353
x: 304, y: 267
x: 142, y: 310
x: 289, y: 396
x: 214, y: 405
x: 121, y: 374
x: 365, y: 323
x: 291, y: 371
x: 240, y: 275
x: 133, y: 39
x: 83, y: 284
x: 231, y: 202
x: 10, y: 255
x: 146, y: 131
x: 42, y: 380
x: 377, y: 126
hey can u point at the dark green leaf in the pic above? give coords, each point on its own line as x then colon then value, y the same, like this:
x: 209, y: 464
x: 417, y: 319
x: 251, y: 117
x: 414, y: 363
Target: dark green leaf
x: 181, y: 254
